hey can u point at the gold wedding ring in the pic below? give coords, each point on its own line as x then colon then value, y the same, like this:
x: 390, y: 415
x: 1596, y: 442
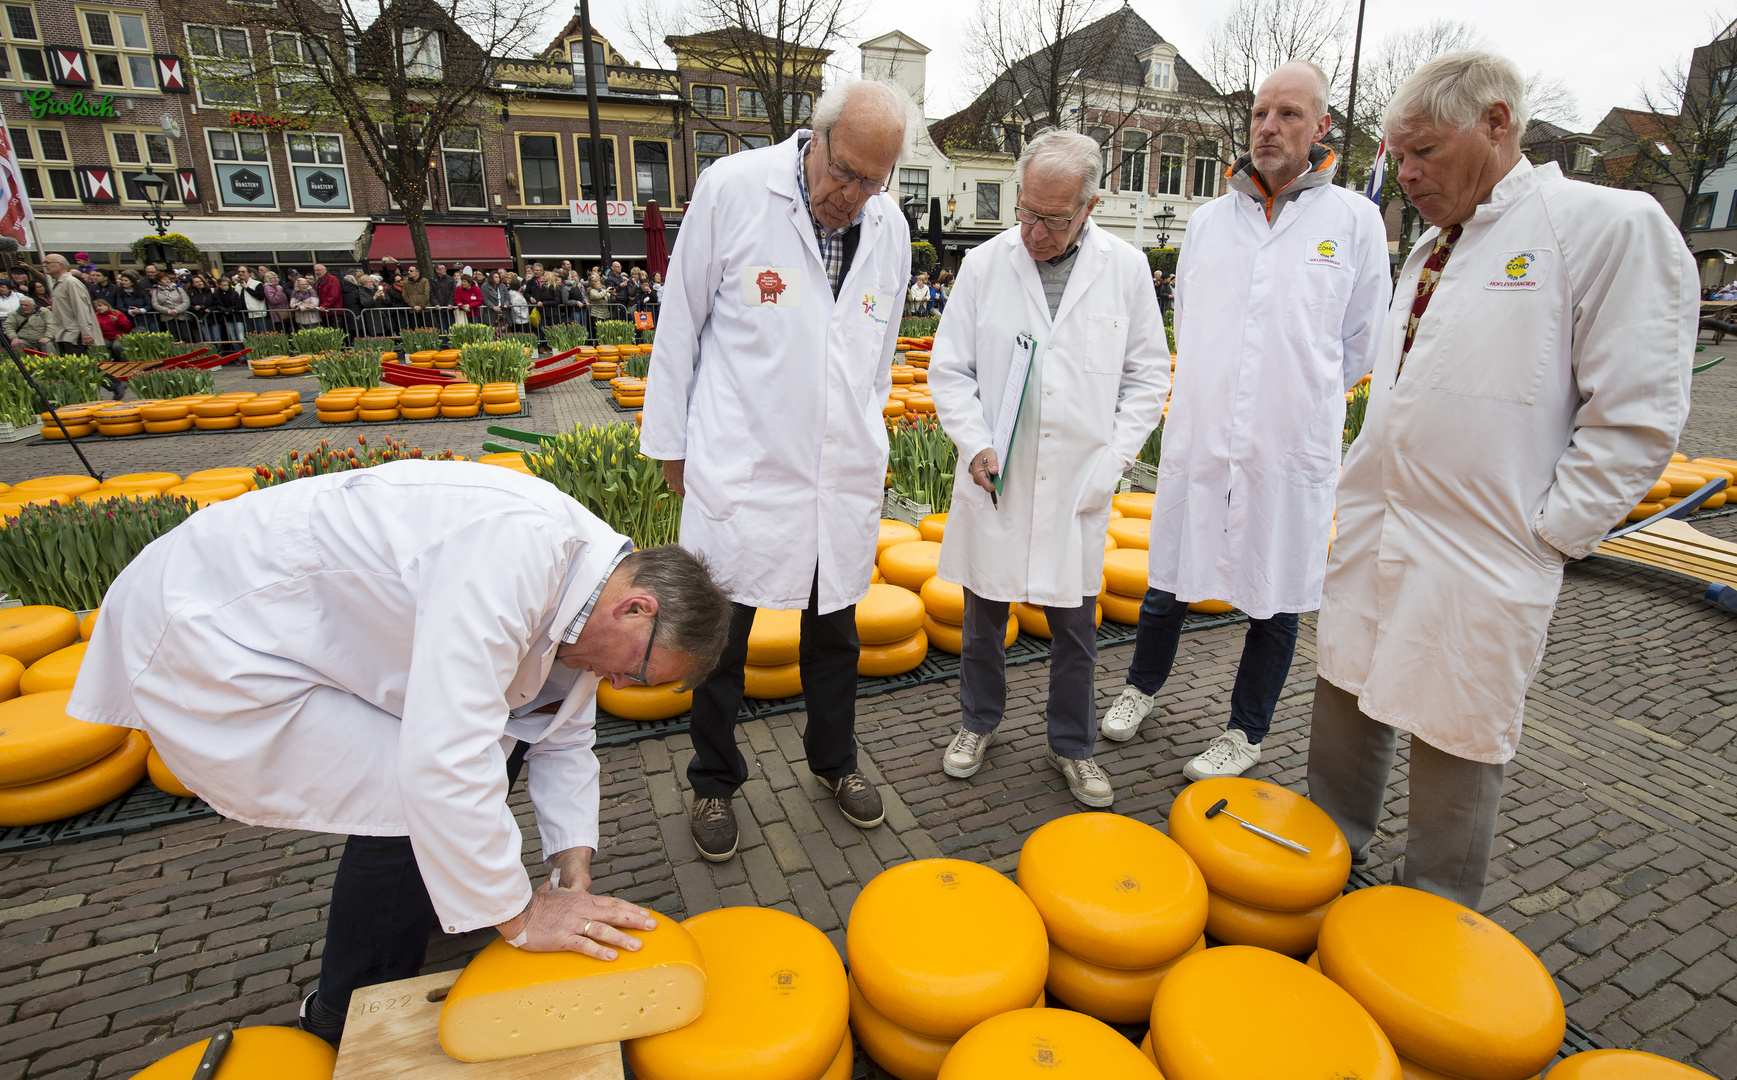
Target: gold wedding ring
x: 585, y: 931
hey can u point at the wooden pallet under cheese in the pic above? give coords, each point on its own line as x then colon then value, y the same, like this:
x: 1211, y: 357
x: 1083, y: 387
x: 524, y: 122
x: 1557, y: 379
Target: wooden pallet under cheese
x: 1678, y: 547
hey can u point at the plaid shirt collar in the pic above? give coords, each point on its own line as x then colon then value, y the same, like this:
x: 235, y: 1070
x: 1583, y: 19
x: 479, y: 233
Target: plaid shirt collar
x: 579, y: 620
x: 831, y: 241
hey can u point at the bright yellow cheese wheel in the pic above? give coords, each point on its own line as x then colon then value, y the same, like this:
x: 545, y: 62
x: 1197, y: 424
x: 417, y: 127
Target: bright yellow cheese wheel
x: 419, y: 397
x: 636, y: 702
x: 459, y: 412
x: 11, y: 673
x: 56, y: 671
x: 419, y: 412
x: 895, y: 658
x: 166, y: 427
x: 1645, y: 510
x: 1411, y: 1070
x: 932, y: 527
x: 1209, y: 607
x: 1682, y: 481
x: 500, y: 395
x: 1124, y: 610
x: 1622, y: 1065
x: 98, y: 783
x: 116, y: 431
x: 888, y: 614
x: 1146, y: 1048
x: 1113, y: 891
x: 1454, y: 991
x: 512, y: 407
x: 509, y: 1003
x: 842, y: 1061
x: 1112, y: 995
x: 910, y: 564
x: 1293, y: 933
x: 772, y: 683
x: 163, y: 778
x: 71, y: 431
x: 216, y: 407
x: 1309, y: 1027
x: 216, y: 423
x: 951, y: 639
x: 67, y: 484
x: 894, y: 532
x: 39, y: 741
x: 208, y: 491
x: 901, y: 1052
x: 1134, y: 504
x: 776, y: 1003
x: 265, y: 406
x: 511, y: 460
x: 31, y: 632
x: 1249, y: 868
x: 944, y: 601
x: 230, y: 474
x: 939, y: 945
x: 1035, y: 622
x: 776, y: 638
x: 278, y: 1052
x: 377, y: 416
x: 1125, y: 571
x: 163, y: 412
x: 271, y: 419
x: 1044, y: 1044
x: 1131, y: 532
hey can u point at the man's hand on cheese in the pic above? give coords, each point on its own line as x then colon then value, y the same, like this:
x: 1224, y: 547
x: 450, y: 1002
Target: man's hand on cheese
x: 571, y: 920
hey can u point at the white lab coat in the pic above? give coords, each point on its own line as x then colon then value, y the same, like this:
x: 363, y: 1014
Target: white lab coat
x: 340, y: 654
x: 1543, y: 395
x: 1103, y: 369
x: 772, y: 391
x: 1273, y: 325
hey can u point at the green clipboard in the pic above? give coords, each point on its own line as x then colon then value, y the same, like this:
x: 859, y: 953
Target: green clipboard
x: 1027, y: 344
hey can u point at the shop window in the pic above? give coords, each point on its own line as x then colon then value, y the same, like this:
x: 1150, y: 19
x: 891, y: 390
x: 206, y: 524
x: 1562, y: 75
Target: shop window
x: 798, y: 108
x: 136, y: 151
x: 1133, y: 176
x: 709, y: 148
x: 751, y: 105
x: 914, y: 184
x: 120, y: 50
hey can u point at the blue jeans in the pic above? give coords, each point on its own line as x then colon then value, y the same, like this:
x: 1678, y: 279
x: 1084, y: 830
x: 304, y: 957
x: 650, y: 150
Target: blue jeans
x: 1267, y: 650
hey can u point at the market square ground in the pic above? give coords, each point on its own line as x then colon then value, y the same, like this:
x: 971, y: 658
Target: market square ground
x: 1616, y: 860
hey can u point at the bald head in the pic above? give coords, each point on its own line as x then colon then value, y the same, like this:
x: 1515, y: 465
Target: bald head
x: 1288, y: 118
x: 1300, y: 78
x: 55, y: 264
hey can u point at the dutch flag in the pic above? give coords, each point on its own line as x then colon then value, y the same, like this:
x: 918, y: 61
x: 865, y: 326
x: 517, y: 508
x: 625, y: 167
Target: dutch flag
x: 1377, y: 173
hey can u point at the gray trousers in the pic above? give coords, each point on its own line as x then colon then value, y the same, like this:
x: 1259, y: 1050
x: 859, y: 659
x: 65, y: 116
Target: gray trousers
x: 1453, y: 804
x: 1072, y: 709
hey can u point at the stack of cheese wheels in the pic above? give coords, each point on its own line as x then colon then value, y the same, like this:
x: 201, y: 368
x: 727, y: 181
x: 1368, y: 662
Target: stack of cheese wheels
x: 774, y: 643
x: 1262, y: 893
x: 164, y: 780
x: 1622, y: 1065
x: 460, y: 401
x: 379, y: 405
x: 75, y: 422
x: 295, y: 365
x: 1034, y: 620
x: 16, y: 501
x: 338, y: 406
x: 509, y: 1003
x: 604, y: 370
x: 776, y: 1007
x: 56, y: 671
x: 419, y: 403
x: 635, y: 702
x: 1121, y: 903
x: 269, y: 410
x: 266, y: 367
x: 166, y: 417
x: 421, y: 358
x: 944, y: 616
x: 1134, y: 528
x: 1202, y: 1029
x: 1045, y: 1044
x: 889, y: 628
x: 500, y: 398
x: 53, y: 766
x: 278, y: 1052
x: 31, y: 632
x: 119, y: 420
x: 628, y: 392
x: 936, y: 947
x: 1455, y: 993
x: 1125, y: 583
x: 910, y: 564
x: 220, y: 413
x: 446, y: 358
x: 894, y: 532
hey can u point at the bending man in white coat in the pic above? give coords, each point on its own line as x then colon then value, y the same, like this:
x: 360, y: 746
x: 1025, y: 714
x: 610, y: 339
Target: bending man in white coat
x: 1279, y: 298
x: 1073, y: 307
x: 1530, y: 385
x: 409, y: 635
x: 775, y: 345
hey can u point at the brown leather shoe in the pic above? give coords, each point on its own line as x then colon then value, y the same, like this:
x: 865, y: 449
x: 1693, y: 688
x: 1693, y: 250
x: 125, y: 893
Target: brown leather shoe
x: 713, y: 823
x: 858, y: 800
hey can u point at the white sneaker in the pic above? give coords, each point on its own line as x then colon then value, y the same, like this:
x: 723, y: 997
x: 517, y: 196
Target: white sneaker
x: 965, y: 753
x: 1122, y: 722
x: 1086, y: 782
x: 1231, y: 754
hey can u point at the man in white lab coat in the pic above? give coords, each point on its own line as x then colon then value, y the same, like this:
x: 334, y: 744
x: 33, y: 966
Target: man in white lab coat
x: 377, y: 659
x: 1055, y: 322
x: 1280, y: 293
x: 1530, y: 384
x: 774, y: 353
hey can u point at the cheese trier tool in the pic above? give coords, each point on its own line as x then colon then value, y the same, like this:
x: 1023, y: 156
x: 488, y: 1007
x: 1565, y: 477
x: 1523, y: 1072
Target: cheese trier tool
x: 1219, y: 808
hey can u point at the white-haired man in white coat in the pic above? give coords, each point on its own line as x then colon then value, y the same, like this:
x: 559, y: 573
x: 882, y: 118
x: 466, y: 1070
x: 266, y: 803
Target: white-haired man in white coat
x: 1070, y: 308
x: 1530, y: 383
x: 1280, y: 294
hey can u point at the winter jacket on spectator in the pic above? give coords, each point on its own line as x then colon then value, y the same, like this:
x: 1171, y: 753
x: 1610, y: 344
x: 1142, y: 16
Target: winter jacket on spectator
x: 31, y: 329
x: 352, y: 296
x: 493, y: 295
x: 277, y: 301
x: 442, y: 289
x: 170, y: 301
x: 330, y: 292
x: 470, y: 298
x: 114, y: 323
x: 305, y: 302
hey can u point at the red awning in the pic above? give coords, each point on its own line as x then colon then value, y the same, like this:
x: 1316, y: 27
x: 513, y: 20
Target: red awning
x: 468, y: 245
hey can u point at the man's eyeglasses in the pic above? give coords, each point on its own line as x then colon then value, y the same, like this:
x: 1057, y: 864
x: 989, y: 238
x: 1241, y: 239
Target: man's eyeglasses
x: 844, y: 176
x: 1053, y: 224
x: 645, y: 663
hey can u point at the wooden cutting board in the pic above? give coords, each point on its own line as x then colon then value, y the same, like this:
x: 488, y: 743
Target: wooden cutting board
x: 393, y: 1031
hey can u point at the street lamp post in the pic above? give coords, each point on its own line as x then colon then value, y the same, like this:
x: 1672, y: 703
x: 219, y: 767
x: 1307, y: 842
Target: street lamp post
x: 1165, y: 215
x: 152, y: 187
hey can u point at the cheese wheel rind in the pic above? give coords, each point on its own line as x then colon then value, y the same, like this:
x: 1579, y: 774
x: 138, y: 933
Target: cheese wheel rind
x: 31, y: 632
x: 895, y: 658
x: 1622, y: 1065
x: 1131, y: 532
x: 933, y: 527
x: 1111, y: 995
x: 888, y: 614
x: 278, y: 1052
x: 11, y: 673
x: 166, y: 781
x: 1044, y: 1044
x: 659, y: 702
x: 899, y: 1051
x: 773, y: 682
x: 1123, y: 610
x: 100, y: 782
x: 1134, y: 504
x: 56, y: 671
x: 1125, y: 572
x: 1249, y: 868
x: 1292, y: 933
x: 39, y: 741
x: 951, y: 639
x: 910, y: 564
x: 944, y: 601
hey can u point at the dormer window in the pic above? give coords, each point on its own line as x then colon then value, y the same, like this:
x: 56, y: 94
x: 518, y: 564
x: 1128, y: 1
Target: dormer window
x: 1159, y: 66
x: 1163, y: 75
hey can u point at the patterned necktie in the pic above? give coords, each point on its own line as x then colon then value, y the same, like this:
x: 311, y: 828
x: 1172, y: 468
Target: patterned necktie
x: 1426, y: 282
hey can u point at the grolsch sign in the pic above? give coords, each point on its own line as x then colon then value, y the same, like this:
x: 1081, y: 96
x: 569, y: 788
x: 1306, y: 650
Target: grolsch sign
x: 42, y: 104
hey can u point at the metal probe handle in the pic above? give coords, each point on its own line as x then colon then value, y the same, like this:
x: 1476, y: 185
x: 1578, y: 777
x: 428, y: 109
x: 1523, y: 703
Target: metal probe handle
x: 214, y: 1052
x: 1274, y: 837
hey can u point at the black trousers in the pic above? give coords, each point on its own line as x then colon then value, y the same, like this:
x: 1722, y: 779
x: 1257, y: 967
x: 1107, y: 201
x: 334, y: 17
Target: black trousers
x: 828, y: 661
x: 378, y: 924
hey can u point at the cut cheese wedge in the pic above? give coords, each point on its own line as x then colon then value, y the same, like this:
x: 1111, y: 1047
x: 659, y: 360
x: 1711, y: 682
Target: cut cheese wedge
x: 56, y: 671
x: 1125, y: 572
x: 951, y: 639
x: 1455, y: 992
x: 776, y: 1003
x: 280, y: 1053
x: 1309, y: 1027
x: 1131, y: 532
x: 1249, y: 868
x: 1112, y: 995
x: 39, y: 741
x: 940, y: 945
x: 163, y: 778
x: 11, y: 674
x: 944, y: 600
x: 888, y: 614
x: 75, y: 793
x: 1044, y: 1044
x: 1113, y: 891
x: 910, y: 564
x: 1622, y: 1065
x: 772, y: 683
x: 1293, y: 933
x: 636, y: 702
x: 509, y: 1003
x: 896, y: 658
x: 31, y: 632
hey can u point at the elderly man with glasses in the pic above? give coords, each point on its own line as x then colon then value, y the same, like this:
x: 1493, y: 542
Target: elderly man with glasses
x: 1048, y: 372
x: 774, y: 347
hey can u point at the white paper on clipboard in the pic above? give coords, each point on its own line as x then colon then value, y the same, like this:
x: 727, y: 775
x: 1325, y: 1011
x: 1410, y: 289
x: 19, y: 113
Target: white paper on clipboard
x: 1012, y: 398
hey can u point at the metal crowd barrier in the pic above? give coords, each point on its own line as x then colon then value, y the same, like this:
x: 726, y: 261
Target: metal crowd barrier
x: 226, y: 327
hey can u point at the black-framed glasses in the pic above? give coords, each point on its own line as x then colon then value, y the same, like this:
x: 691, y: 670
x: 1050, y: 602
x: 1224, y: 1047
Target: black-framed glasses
x: 1053, y: 224
x: 645, y: 663
x: 844, y: 176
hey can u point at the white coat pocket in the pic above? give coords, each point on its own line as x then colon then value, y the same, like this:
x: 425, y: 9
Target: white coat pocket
x: 1106, y: 344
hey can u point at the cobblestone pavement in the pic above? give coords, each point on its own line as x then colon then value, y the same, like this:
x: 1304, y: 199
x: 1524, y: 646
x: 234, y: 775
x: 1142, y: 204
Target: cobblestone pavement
x: 1615, y: 857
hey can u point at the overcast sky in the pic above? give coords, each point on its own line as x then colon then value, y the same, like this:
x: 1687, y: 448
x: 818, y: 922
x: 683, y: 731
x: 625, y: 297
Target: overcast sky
x: 1604, y: 50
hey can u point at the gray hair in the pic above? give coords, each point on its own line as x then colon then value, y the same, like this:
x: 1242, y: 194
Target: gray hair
x: 887, y: 102
x: 1454, y: 91
x: 694, y: 613
x: 1069, y: 153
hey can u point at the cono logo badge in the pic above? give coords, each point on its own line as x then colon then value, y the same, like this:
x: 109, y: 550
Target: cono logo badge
x: 1327, y: 249
x: 1519, y: 264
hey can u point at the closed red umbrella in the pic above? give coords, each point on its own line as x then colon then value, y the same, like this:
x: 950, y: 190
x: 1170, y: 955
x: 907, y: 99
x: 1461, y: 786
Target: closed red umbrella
x: 656, y: 248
